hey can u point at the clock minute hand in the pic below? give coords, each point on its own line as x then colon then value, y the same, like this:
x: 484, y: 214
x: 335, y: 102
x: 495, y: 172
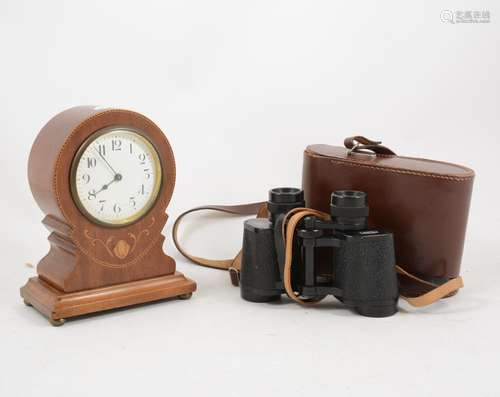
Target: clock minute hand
x: 106, y: 161
x: 117, y: 178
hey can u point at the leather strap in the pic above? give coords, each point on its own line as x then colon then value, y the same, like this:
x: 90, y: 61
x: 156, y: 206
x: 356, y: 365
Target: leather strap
x: 416, y: 291
x: 359, y: 143
x: 435, y: 292
x: 244, y: 209
x: 289, y: 224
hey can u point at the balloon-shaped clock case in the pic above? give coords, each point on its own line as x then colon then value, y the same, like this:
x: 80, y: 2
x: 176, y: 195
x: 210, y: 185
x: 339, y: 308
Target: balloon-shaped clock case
x: 98, y: 265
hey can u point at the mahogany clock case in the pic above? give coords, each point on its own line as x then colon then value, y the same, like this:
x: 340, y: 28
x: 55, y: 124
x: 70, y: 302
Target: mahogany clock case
x: 91, y: 266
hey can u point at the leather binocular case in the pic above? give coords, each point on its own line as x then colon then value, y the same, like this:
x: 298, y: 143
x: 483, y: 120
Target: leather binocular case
x: 424, y: 203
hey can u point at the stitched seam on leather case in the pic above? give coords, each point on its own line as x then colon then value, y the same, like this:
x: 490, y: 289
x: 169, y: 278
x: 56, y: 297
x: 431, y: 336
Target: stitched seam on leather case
x: 464, y: 168
x: 401, y: 171
x: 471, y: 173
x: 397, y: 170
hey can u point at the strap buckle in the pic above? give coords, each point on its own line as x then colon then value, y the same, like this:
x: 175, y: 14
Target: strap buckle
x: 360, y: 144
x: 235, y: 276
x: 353, y: 149
x: 362, y: 148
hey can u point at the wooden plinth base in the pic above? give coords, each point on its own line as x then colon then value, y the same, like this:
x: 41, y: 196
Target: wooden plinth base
x: 58, y: 305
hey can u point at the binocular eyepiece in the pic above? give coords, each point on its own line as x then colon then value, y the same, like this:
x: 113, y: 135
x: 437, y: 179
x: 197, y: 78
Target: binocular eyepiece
x: 284, y: 199
x: 348, y: 208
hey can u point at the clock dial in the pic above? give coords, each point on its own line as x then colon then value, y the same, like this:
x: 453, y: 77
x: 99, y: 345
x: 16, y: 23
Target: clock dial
x: 116, y: 176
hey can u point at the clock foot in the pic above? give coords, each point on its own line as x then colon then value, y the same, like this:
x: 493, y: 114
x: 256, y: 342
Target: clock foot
x: 185, y: 296
x: 27, y: 303
x: 57, y: 323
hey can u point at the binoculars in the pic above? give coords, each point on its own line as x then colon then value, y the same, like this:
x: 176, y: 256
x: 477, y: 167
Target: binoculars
x: 340, y: 256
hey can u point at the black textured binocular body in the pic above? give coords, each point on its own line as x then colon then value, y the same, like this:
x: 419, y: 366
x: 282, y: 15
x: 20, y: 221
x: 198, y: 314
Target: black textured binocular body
x: 360, y: 261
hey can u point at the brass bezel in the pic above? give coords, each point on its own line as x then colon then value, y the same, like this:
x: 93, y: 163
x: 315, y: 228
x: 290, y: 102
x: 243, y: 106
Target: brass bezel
x: 156, y: 189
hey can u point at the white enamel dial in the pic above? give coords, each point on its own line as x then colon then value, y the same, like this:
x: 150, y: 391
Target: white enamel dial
x: 116, y: 176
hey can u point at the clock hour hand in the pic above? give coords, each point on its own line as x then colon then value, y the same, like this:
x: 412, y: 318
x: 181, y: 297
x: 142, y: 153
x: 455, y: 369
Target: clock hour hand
x: 106, y: 161
x: 118, y: 177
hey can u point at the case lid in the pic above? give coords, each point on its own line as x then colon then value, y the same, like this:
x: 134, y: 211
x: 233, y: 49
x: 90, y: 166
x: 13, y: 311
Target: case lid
x: 418, y: 166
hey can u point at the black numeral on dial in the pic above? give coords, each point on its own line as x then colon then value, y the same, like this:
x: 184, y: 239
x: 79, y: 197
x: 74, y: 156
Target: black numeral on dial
x: 102, y: 150
x: 116, y: 145
x: 91, y: 162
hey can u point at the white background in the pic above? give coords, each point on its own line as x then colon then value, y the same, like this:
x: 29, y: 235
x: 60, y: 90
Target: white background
x: 240, y: 88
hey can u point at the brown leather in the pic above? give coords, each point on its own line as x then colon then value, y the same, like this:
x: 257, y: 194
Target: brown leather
x: 234, y: 263
x: 425, y: 203
x: 434, y: 292
x: 289, y: 225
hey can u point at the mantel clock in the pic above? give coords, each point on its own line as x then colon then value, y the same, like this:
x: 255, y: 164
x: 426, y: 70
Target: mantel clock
x: 103, y: 177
